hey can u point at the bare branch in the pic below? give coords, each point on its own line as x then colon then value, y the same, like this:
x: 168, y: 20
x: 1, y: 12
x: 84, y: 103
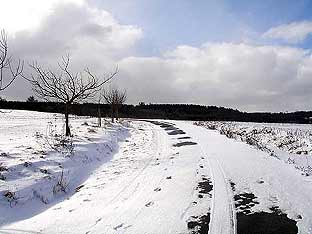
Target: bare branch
x: 6, y: 63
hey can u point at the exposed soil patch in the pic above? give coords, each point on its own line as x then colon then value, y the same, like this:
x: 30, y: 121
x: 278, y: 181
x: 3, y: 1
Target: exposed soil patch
x: 171, y: 128
x: 244, y: 202
x: 184, y: 138
x: 168, y: 127
x: 184, y: 143
x: 265, y: 223
x: 205, y: 186
x: 274, y: 222
x: 161, y: 124
x: 176, y: 132
x: 199, y: 225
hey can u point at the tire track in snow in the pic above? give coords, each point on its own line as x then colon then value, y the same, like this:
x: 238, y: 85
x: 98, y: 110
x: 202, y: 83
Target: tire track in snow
x: 223, y: 216
x: 223, y: 211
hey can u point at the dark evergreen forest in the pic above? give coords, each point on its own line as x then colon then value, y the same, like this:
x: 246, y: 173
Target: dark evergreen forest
x: 165, y: 111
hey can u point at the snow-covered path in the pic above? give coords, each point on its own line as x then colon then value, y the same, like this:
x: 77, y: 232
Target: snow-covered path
x: 160, y: 181
x: 223, y: 218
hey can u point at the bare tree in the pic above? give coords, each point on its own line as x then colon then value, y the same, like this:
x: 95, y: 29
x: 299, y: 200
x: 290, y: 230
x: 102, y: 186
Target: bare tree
x: 6, y: 61
x: 121, y: 97
x: 66, y: 86
x: 108, y: 96
x: 114, y: 97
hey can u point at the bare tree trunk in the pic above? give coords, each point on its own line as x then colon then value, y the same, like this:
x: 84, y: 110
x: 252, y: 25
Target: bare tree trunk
x: 112, y: 113
x: 117, y: 114
x: 99, y: 116
x: 67, y: 129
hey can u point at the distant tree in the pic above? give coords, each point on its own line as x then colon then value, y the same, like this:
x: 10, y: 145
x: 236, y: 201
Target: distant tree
x: 31, y: 99
x: 115, y: 98
x: 6, y: 63
x: 65, y: 86
x: 121, y: 97
x: 108, y: 96
x: 2, y: 99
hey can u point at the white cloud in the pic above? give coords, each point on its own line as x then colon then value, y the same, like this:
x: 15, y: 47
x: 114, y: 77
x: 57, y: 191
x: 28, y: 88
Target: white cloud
x: 254, y: 78
x: 92, y: 36
x: 78, y: 29
x: 295, y: 32
x: 16, y: 15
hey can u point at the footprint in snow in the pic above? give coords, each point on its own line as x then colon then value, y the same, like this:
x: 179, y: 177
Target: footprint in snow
x: 96, y: 222
x: 118, y: 226
x: 157, y: 189
x: 149, y: 204
x: 79, y: 188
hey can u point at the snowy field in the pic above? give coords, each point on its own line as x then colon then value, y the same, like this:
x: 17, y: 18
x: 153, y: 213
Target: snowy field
x: 291, y: 143
x: 33, y: 161
x: 160, y: 176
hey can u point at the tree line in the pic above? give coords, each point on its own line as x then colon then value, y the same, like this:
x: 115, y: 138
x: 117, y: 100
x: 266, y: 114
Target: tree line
x: 163, y: 111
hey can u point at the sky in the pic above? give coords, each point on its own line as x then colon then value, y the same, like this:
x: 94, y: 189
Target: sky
x: 242, y: 54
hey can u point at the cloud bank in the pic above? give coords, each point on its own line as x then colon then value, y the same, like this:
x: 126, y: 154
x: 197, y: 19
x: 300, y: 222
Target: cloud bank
x: 239, y: 75
x: 253, y: 78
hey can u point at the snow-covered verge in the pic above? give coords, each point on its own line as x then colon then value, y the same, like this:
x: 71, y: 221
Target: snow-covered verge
x: 39, y: 167
x: 291, y: 143
x: 270, y: 196
x: 157, y: 182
